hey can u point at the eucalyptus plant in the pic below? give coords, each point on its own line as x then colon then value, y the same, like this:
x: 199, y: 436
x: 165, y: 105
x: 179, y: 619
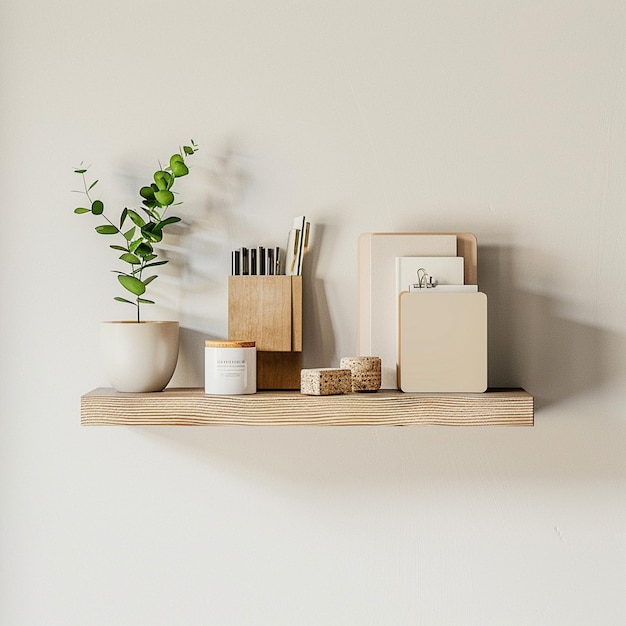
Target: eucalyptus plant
x: 139, y: 231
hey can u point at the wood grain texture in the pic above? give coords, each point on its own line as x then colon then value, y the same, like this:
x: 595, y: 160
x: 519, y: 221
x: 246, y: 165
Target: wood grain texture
x: 278, y: 370
x: 267, y: 310
x: 296, y: 313
x: 192, y: 407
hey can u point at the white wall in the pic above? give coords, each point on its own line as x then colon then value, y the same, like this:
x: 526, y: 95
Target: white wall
x: 502, y: 118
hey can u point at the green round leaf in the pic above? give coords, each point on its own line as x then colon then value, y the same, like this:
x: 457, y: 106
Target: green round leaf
x: 156, y: 263
x: 176, y: 158
x: 164, y: 197
x: 166, y: 222
x: 132, y: 284
x: 143, y: 249
x: 123, y: 217
x: 146, y: 192
x: 120, y: 299
x: 152, y: 234
x: 107, y: 229
x: 80, y: 210
x: 179, y: 169
x: 163, y: 180
x: 136, y: 218
x: 134, y: 245
x: 97, y: 207
x: 130, y: 258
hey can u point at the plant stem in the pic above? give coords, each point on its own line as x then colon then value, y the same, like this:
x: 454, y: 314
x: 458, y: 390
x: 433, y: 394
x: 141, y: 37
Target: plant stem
x: 138, y: 303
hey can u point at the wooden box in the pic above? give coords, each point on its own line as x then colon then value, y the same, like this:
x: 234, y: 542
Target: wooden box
x: 268, y: 310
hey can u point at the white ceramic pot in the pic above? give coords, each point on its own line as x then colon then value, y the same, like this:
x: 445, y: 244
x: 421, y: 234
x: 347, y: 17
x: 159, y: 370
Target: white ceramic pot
x: 139, y: 357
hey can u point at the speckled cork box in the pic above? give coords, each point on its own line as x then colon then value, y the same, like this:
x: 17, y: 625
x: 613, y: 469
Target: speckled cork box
x: 325, y: 381
x: 366, y: 372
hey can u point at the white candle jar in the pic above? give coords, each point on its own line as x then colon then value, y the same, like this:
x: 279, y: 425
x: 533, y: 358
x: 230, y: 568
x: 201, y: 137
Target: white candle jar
x: 229, y: 367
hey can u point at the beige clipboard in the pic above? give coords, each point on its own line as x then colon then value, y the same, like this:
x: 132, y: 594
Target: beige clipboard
x: 377, y: 333
x: 442, y: 342
x: 377, y: 296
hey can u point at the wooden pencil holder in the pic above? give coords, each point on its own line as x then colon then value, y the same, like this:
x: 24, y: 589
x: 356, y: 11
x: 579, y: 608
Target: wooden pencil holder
x: 268, y: 311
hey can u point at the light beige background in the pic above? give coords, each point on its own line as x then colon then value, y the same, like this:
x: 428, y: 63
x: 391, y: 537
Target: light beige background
x: 506, y: 119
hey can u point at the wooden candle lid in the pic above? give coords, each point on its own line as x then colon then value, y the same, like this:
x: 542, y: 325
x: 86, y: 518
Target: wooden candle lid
x: 229, y: 343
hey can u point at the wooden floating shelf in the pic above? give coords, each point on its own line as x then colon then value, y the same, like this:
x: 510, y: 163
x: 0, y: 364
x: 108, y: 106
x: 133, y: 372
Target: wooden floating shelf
x: 192, y: 407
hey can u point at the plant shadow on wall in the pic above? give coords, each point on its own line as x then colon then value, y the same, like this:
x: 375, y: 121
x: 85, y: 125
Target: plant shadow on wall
x: 198, y: 249
x: 531, y: 341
